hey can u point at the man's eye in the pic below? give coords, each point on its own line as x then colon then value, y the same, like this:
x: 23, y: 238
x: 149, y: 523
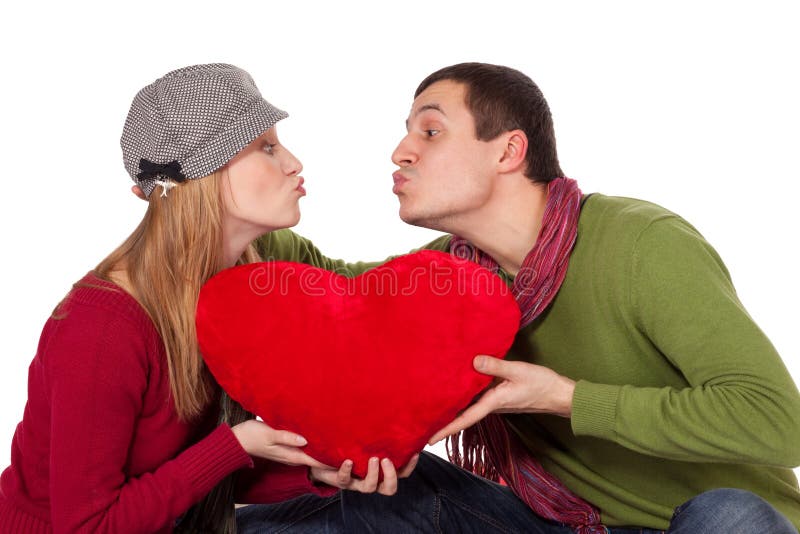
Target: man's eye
x: 431, y: 133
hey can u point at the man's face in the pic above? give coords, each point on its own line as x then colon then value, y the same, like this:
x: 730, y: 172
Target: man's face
x: 445, y: 174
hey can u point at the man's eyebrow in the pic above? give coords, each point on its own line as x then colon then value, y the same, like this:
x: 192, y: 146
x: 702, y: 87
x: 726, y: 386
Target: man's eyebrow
x: 427, y: 107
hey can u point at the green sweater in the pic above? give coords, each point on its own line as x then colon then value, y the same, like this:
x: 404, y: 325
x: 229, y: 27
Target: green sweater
x: 678, y: 390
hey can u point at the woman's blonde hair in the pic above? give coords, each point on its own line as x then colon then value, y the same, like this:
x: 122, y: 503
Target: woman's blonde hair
x: 176, y: 248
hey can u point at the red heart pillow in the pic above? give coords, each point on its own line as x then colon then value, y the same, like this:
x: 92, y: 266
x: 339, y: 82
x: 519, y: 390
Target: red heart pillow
x: 361, y: 367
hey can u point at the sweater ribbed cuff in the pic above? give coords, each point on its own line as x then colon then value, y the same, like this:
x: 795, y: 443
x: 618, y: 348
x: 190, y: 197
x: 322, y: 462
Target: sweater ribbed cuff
x: 594, y: 409
x: 323, y: 490
x: 213, y: 458
x: 14, y: 519
x: 291, y: 487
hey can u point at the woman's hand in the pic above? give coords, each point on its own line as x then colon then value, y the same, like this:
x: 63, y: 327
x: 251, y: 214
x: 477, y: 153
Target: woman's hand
x: 343, y: 479
x: 259, y: 439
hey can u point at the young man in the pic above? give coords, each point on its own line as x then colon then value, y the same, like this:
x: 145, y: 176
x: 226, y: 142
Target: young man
x: 638, y: 393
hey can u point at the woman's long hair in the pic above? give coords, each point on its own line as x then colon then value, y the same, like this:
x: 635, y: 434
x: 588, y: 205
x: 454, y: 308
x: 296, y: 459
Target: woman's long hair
x: 176, y: 248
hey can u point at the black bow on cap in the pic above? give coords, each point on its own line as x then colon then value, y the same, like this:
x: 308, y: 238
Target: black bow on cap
x: 151, y: 170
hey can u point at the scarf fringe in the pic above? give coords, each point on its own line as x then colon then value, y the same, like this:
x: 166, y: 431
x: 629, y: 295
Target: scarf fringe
x: 477, y: 448
x: 472, y: 449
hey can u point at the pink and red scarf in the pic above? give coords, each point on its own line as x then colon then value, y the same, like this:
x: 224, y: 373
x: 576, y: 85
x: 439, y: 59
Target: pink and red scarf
x: 490, y: 449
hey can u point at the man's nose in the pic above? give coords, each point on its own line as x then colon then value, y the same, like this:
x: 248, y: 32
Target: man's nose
x: 404, y: 155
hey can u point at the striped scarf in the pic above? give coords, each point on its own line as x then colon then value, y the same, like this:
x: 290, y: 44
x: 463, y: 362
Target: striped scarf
x: 490, y: 449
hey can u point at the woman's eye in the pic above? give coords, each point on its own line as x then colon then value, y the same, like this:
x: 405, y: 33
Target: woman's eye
x: 269, y: 149
x: 431, y: 133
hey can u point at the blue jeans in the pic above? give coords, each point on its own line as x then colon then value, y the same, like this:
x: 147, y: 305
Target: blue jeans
x: 441, y: 498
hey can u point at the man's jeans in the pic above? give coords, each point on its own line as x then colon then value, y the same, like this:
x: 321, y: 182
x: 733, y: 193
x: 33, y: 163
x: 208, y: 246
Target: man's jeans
x: 441, y: 498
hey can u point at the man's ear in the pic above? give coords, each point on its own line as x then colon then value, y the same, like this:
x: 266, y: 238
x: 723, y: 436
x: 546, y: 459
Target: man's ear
x: 515, y: 148
x: 136, y: 190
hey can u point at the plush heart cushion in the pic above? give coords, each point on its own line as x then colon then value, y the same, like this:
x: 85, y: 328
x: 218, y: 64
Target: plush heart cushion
x: 361, y: 367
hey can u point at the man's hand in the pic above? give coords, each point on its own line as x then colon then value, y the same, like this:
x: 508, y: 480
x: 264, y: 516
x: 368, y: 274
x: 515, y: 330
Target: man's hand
x: 343, y: 479
x: 520, y: 387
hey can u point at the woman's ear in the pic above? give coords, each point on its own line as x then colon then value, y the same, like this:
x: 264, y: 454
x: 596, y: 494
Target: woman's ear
x: 136, y: 190
x: 515, y: 148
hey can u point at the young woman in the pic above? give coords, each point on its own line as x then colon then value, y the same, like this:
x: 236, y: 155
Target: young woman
x: 119, y: 432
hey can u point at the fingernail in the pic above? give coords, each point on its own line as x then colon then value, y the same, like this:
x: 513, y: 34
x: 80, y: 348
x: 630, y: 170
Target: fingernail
x: 374, y: 459
x: 301, y: 440
x: 479, y: 362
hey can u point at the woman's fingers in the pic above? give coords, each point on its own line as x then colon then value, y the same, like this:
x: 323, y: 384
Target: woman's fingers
x: 370, y: 482
x: 291, y: 456
x: 409, y: 467
x: 284, y: 437
x: 389, y: 484
x: 344, y: 475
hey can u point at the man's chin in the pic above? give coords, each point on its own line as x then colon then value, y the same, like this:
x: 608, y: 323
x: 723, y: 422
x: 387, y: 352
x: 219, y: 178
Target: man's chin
x: 423, y: 221
x: 409, y: 217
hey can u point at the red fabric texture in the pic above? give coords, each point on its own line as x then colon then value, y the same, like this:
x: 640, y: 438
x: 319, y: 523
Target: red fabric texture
x: 361, y: 367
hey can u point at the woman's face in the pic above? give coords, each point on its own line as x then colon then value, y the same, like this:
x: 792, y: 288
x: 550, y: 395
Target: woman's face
x: 261, y: 188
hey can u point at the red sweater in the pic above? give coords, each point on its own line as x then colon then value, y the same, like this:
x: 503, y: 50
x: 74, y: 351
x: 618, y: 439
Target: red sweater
x: 100, y: 447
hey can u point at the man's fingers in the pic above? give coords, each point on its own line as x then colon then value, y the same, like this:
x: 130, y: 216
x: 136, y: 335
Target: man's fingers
x: 489, y: 365
x: 468, y: 417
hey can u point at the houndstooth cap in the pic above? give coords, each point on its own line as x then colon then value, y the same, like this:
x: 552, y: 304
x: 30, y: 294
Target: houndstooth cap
x: 191, y: 122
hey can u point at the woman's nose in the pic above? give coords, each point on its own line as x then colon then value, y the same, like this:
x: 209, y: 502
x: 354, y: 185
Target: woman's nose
x: 292, y: 165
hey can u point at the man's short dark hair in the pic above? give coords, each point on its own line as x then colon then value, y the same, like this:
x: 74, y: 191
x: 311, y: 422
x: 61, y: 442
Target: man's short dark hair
x: 502, y: 99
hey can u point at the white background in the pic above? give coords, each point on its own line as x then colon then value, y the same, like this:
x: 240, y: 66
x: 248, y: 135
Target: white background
x: 692, y: 105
